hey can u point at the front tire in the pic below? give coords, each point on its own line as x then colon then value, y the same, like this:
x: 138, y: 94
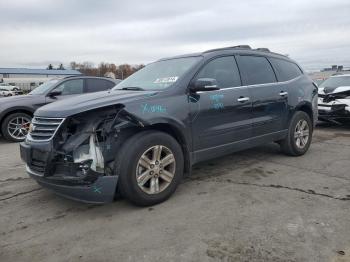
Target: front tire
x: 150, y: 167
x: 299, y: 137
x: 15, y: 127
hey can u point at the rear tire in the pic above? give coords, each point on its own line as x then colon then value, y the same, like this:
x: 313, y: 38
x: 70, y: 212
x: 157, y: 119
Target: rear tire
x: 8, y: 127
x: 299, y: 136
x: 150, y: 167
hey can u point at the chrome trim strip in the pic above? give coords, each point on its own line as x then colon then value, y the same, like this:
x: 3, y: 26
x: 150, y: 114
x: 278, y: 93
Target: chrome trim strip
x: 29, y: 138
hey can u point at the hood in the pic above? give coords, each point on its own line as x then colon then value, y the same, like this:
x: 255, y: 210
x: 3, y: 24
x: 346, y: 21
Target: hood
x: 86, y: 102
x: 328, y: 90
x: 331, y: 94
x: 339, y: 89
x: 17, y: 100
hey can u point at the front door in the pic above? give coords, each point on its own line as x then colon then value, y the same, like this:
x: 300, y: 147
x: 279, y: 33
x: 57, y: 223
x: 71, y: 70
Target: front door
x: 223, y: 116
x: 67, y: 88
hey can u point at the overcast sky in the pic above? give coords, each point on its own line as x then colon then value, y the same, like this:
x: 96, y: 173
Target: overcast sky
x: 34, y: 33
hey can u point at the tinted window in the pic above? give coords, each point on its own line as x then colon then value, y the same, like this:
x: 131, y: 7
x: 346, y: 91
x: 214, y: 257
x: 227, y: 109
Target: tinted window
x: 95, y: 85
x: 255, y: 70
x: 285, y: 70
x: 224, y: 70
x: 71, y: 87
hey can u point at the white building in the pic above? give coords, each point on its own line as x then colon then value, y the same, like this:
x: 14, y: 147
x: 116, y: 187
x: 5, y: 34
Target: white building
x: 28, y: 79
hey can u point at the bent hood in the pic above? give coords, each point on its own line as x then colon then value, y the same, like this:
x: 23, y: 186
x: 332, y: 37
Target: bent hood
x: 86, y: 102
x: 334, y: 90
x: 341, y: 92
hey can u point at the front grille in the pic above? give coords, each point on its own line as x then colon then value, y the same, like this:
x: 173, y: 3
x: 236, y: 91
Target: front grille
x: 43, y: 128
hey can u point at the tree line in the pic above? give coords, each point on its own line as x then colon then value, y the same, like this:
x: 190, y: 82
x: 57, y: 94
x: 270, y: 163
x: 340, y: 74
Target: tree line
x: 103, y: 69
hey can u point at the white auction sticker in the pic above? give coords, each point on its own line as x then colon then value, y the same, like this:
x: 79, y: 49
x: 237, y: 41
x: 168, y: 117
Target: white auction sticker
x: 171, y: 79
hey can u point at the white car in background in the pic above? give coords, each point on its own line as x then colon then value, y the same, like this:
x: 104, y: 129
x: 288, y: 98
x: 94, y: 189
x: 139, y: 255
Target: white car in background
x: 6, y: 92
x: 9, y: 87
x: 334, y: 99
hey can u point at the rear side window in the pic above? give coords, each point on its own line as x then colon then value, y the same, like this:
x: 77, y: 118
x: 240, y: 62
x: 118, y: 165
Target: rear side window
x: 95, y: 85
x: 255, y: 70
x: 224, y: 70
x: 285, y: 70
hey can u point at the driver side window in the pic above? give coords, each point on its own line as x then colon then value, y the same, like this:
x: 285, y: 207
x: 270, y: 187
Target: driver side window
x: 71, y: 87
x: 224, y: 70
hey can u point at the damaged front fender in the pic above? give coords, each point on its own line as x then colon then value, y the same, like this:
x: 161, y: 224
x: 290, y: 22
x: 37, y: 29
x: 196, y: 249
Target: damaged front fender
x: 90, y: 140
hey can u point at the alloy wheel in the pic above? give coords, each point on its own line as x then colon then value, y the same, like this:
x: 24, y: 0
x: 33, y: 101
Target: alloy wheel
x: 301, y: 134
x: 155, y: 169
x: 18, y: 127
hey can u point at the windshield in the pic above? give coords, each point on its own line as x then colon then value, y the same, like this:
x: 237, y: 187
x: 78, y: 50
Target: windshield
x: 333, y: 82
x: 42, y: 89
x: 158, y: 75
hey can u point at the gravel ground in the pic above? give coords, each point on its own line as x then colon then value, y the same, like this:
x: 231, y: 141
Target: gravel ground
x: 255, y: 205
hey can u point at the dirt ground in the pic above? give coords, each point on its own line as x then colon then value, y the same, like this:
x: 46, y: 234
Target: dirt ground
x: 255, y: 205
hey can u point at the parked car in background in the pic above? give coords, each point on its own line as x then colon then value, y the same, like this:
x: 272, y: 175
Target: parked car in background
x: 334, y: 99
x: 6, y: 92
x: 9, y: 87
x: 16, y: 112
x: 146, y: 133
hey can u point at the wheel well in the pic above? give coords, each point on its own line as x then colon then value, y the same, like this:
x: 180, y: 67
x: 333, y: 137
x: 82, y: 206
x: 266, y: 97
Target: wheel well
x: 169, y: 129
x: 307, y: 110
x: 14, y: 112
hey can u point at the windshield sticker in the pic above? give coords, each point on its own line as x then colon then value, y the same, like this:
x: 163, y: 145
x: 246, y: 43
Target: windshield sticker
x: 217, y: 101
x: 146, y: 108
x: 163, y: 80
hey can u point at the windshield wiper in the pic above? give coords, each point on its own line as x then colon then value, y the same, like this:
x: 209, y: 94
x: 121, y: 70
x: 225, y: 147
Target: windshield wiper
x: 133, y: 88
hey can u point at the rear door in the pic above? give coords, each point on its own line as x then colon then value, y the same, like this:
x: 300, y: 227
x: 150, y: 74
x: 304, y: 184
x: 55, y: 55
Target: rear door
x: 222, y: 116
x: 269, y: 100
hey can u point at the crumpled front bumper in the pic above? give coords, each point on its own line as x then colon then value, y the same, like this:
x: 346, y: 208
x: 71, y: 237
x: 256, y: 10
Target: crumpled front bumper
x: 102, y: 190
x: 333, y: 111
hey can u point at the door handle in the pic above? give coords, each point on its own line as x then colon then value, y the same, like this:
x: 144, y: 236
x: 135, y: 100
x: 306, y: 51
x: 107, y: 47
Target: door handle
x: 243, y: 99
x: 282, y: 93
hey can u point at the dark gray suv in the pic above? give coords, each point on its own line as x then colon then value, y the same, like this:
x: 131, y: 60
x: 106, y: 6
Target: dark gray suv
x: 16, y: 112
x: 143, y: 136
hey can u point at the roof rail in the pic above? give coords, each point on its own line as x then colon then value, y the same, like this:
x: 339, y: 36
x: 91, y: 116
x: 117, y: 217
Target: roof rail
x: 65, y: 77
x: 229, y: 47
x: 264, y: 49
x: 242, y: 46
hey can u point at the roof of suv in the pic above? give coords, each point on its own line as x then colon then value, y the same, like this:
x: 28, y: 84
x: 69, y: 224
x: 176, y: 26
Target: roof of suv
x: 246, y: 49
x: 96, y: 77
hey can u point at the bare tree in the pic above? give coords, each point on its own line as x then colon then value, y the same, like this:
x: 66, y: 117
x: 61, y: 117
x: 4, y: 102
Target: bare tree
x: 121, y: 71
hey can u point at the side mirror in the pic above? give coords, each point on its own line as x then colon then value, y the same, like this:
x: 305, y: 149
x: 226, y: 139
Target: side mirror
x: 204, y: 84
x: 55, y: 93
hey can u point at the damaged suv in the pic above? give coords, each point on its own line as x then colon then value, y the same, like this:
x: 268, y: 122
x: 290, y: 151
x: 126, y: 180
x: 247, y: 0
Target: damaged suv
x: 334, y: 99
x: 142, y: 137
